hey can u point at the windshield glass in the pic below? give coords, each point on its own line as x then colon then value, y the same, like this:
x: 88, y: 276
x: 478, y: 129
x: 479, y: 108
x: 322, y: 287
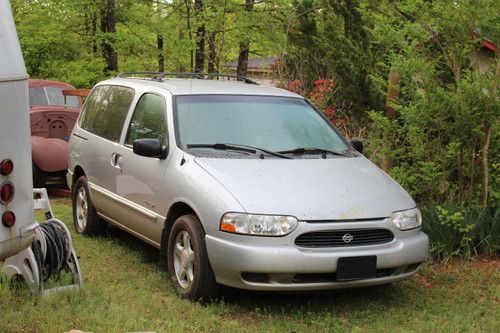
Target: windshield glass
x: 51, y: 96
x: 272, y: 123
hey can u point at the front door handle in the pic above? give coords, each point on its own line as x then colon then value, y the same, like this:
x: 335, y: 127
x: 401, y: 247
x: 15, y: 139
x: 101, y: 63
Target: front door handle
x: 117, y: 161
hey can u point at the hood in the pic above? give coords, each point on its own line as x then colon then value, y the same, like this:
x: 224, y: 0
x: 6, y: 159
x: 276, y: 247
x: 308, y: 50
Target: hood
x: 310, y: 189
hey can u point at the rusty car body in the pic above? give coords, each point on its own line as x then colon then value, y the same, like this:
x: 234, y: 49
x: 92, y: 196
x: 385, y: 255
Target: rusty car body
x: 53, y: 113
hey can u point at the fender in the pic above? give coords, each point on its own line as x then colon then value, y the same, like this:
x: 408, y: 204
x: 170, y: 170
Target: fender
x: 49, y: 154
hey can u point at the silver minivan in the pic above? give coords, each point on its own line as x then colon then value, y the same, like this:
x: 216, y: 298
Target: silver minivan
x: 239, y: 185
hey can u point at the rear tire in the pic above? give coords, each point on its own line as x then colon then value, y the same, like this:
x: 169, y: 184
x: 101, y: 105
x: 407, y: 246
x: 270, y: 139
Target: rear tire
x: 39, y: 176
x: 188, y: 265
x: 85, y: 218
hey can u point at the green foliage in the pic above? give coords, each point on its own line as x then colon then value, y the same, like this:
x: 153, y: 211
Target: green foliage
x: 63, y: 40
x: 455, y: 231
x: 445, y: 106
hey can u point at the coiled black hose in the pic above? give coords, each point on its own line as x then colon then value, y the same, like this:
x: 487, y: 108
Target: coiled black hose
x: 57, y: 250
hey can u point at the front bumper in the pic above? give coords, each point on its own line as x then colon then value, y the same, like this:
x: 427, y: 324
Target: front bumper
x: 249, y: 265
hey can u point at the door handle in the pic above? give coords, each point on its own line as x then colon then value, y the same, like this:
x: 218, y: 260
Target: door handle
x: 117, y: 161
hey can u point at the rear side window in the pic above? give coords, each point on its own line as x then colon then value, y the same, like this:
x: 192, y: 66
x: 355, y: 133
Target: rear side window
x: 105, y: 111
x: 148, y: 120
x: 92, y: 104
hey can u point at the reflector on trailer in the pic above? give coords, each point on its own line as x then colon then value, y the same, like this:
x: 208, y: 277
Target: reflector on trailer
x: 6, y: 193
x: 6, y: 167
x: 8, y: 219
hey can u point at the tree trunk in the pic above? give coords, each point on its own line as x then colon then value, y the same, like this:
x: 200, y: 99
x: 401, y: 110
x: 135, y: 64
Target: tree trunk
x: 472, y: 183
x: 460, y: 174
x: 393, y: 87
x: 190, y: 34
x: 199, y: 63
x: 242, y: 68
x: 95, y: 48
x: 212, y: 53
x: 486, y: 147
x: 487, y: 139
x: 161, y: 60
x: 108, y: 22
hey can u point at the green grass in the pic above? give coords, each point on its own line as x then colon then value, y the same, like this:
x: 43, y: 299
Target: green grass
x: 126, y: 291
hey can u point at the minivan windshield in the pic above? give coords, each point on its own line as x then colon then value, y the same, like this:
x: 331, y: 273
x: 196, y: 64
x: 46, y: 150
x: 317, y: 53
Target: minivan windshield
x: 267, y: 122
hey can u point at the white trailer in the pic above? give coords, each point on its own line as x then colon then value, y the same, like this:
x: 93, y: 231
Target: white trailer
x: 16, y: 201
x: 27, y: 248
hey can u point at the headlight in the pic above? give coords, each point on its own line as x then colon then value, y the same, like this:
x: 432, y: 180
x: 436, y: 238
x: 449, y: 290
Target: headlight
x: 407, y: 219
x: 258, y: 225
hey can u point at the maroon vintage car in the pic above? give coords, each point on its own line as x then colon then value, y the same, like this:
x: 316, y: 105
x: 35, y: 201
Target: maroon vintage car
x: 53, y: 115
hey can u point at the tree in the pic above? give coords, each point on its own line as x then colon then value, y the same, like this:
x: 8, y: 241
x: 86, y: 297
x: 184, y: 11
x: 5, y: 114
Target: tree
x: 200, y: 37
x: 108, y: 23
x: 242, y: 67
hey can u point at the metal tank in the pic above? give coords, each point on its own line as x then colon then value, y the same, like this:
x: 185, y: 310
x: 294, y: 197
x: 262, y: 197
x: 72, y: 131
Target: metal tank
x: 16, y: 200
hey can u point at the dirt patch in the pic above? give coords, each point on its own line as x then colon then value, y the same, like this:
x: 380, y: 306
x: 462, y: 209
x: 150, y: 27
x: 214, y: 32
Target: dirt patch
x: 423, y: 280
x: 456, y: 268
x: 480, y: 262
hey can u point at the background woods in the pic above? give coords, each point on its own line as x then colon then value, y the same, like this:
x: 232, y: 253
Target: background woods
x: 416, y: 80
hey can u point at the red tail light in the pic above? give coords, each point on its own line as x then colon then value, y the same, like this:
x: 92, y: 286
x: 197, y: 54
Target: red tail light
x: 8, y: 219
x: 6, y: 193
x: 6, y: 167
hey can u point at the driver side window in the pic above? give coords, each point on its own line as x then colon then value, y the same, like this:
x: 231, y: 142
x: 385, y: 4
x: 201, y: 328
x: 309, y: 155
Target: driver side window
x: 148, y: 120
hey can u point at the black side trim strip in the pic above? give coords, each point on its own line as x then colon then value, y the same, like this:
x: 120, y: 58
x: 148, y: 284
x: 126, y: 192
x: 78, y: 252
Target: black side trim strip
x: 81, y: 137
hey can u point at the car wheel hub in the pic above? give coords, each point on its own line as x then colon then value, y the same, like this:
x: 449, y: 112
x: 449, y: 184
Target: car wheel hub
x: 81, y: 208
x: 184, y: 259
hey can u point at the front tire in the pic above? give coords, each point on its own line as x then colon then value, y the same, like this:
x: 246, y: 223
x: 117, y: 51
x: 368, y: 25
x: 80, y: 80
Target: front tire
x: 188, y: 265
x: 85, y: 217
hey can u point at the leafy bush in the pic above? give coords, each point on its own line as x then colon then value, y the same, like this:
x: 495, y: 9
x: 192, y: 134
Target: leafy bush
x: 455, y: 231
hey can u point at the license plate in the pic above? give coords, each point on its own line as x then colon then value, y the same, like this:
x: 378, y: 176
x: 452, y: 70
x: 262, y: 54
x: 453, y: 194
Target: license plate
x: 356, y: 268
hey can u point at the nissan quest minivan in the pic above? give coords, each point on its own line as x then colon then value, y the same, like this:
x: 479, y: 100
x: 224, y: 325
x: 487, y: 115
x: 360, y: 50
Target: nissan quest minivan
x: 239, y: 185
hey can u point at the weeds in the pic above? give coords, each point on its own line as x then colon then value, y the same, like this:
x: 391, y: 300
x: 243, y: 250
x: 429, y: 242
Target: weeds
x: 455, y: 231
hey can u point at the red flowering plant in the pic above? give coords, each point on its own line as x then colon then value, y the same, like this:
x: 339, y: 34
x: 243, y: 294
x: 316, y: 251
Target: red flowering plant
x: 320, y: 95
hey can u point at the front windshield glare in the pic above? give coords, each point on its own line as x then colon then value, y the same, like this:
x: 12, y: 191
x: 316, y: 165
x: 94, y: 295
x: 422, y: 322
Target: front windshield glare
x: 272, y: 123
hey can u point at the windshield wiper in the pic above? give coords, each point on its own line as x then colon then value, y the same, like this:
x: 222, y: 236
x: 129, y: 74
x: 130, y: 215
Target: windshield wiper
x: 231, y: 146
x: 311, y: 150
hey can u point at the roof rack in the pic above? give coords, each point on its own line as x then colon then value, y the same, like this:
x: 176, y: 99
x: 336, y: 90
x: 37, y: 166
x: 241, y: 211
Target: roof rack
x: 158, y: 76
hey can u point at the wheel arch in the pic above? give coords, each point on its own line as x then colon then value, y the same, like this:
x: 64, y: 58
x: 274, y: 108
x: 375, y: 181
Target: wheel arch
x: 175, y: 211
x: 77, y: 173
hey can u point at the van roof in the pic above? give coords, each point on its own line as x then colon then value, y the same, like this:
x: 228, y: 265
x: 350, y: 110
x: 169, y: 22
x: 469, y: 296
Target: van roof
x: 178, y: 86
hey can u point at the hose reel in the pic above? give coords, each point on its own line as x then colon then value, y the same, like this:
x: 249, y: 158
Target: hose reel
x: 50, y: 253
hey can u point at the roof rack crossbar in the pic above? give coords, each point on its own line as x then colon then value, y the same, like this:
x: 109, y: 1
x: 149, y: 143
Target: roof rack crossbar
x: 158, y: 76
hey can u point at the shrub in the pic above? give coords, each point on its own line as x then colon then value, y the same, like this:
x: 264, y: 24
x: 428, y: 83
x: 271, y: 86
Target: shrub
x: 456, y: 231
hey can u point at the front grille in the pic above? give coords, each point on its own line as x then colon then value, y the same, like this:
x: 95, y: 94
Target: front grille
x: 338, y: 238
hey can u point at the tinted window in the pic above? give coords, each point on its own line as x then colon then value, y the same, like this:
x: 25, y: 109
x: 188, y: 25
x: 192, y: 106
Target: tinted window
x: 109, y: 120
x: 92, y: 104
x: 105, y: 111
x: 273, y: 123
x: 148, y: 120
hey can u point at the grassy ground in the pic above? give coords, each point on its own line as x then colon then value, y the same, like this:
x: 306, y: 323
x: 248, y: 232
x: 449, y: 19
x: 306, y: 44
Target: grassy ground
x: 126, y: 291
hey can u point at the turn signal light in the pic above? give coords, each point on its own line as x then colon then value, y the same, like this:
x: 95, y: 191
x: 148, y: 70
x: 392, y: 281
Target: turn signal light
x: 6, y: 193
x: 6, y: 167
x: 8, y: 219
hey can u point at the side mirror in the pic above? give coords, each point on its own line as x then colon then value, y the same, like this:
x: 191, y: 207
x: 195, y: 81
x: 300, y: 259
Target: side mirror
x: 149, y: 148
x: 358, y: 145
